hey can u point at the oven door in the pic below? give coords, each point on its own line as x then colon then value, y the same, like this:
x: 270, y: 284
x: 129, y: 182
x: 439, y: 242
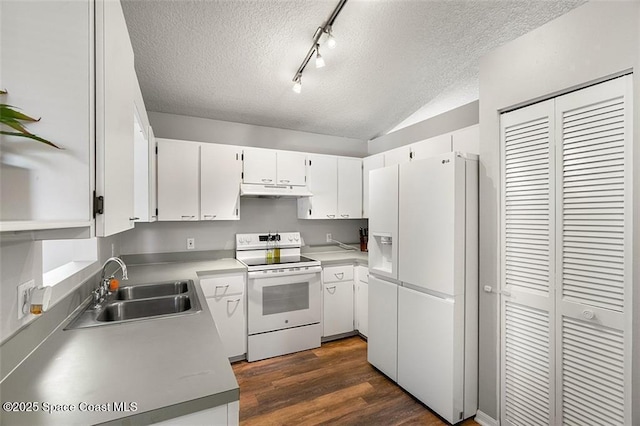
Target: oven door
x: 279, y: 300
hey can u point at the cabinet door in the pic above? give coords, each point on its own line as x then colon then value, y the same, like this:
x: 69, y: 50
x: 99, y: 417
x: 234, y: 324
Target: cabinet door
x: 349, y: 188
x: 369, y: 163
x: 153, y: 177
x: 362, y: 308
x: 220, y: 176
x: 141, y: 172
x: 337, y: 308
x: 466, y: 140
x: 430, y: 147
x: 259, y: 166
x: 291, y: 168
x: 114, y: 119
x: 48, y: 73
x: 228, y: 314
x: 323, y: 184
x: 178, y: 180
x: 397, y: 155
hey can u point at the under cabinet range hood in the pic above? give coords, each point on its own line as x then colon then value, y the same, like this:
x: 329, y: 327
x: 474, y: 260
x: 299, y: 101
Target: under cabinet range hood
x: 273, y: 191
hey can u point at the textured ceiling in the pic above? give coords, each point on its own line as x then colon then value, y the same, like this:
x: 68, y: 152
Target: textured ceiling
x: 233, y: 60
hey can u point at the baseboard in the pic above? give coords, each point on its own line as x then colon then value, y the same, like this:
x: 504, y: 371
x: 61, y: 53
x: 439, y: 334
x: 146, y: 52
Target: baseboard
x: 485, y: 419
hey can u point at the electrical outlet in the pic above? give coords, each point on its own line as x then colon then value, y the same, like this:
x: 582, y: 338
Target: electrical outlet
x: 24, y: 293
x: 191, y: 243
x: 329, y: 238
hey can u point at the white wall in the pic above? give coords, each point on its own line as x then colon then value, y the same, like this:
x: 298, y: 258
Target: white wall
x: 256, y: 215
x: 591, y: 42
x: 171, y: 126
x: 21, y: 261
x: 458, y: 118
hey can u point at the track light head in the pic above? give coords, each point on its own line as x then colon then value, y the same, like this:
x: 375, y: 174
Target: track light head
x: 297, y: 84
x: 319, y: 59
x: 331, y: 40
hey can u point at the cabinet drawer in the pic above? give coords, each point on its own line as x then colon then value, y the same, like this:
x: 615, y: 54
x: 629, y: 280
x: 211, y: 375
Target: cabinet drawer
x: 334, y: 274
x: 363, y: 274
x: 222, y: 285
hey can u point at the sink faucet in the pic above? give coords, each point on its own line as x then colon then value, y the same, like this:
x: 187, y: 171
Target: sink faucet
x: 103, y: 287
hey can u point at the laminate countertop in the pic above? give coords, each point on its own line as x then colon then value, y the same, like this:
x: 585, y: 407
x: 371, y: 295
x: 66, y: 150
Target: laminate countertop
x: 157, y: 369
x: 340, y: 257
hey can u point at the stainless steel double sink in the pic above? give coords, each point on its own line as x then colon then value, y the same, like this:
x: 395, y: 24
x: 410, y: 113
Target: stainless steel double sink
x: 139, y: 302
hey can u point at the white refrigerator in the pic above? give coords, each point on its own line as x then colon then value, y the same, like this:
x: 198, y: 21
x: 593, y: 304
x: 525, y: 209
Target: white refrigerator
x: 425, y: 280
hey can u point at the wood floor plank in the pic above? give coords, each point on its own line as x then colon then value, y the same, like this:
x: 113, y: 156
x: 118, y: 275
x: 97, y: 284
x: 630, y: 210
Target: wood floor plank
x: 333, y: 384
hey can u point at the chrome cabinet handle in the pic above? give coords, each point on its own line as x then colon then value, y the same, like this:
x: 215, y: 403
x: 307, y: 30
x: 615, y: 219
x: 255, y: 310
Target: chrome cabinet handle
x: 339, y: 275
x: 233, y: 301
x: 331, y: 289
x: 344, y: 215
x: 134, y: 218
x: 209, y: 215
x: 331, y: 216
x: 267, y: 180
x: 187, y: 217
x: 285, y: 180
x: 222, y: 286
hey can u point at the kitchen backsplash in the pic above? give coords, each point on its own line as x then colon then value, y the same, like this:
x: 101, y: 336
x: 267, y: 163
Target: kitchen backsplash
x: 256, y: 215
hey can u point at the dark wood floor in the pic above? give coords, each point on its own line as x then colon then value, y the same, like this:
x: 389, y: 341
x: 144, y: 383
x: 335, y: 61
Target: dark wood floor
x: 333, y: 384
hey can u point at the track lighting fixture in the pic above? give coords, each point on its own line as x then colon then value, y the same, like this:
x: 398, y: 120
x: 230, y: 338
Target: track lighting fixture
x: 331, y: 40
x: 297, y: 84
x: 319, y: 59
x: 315, y: 47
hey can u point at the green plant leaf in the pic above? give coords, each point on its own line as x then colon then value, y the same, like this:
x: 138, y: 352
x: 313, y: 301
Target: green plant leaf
x: 15, y: 124
x: 3, y: 91
x: 7, y: 111
x: 30, y: 136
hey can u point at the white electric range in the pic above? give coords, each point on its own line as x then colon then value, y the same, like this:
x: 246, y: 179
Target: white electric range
x: 284, y: 293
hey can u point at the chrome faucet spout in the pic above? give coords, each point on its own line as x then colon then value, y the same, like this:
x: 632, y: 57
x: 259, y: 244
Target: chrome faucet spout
x: 102, y: 291
x: 119, y: 262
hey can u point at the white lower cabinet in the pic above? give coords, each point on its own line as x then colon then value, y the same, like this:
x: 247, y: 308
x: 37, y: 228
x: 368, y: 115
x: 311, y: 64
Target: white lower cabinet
x: 362, y: 301
x: 337, y: 300
x: 225, y: 294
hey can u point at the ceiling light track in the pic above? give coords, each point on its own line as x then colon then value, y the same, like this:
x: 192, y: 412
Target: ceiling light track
x: 315, y: 46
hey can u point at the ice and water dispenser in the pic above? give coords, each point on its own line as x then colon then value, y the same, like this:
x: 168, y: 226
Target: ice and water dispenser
x: 381, y: 257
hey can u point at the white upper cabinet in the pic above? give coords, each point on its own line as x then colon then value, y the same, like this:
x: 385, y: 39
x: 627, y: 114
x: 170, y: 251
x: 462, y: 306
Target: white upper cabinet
x: 467, y: 140
x: 336, y: 185
x: 259, y: 166
x: 369, y: 163
x: 178, y: 180
x: 144, y: 156
x: 322, y: 171
x: 115, y: 78
x: 397, y: 155
x: 273, y: 167
x: 349, y: 188
x: 220, y: 177
x: 430, y: 147
x: 48, y: 74
x: 291, y: 168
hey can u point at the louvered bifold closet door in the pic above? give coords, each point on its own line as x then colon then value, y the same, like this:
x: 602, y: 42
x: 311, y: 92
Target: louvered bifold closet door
x: 593, y: 151
x: 527, y: 264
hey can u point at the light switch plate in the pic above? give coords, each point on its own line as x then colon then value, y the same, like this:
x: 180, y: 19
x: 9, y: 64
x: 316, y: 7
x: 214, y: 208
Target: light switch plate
x: 24, y: 290
x: 191, y: 243
x: 328, y: 238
